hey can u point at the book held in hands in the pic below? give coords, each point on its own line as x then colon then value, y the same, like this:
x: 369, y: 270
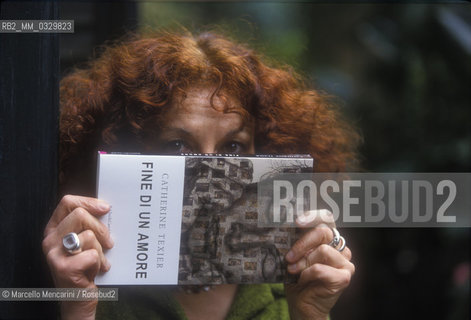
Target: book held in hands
x: 191, y: 219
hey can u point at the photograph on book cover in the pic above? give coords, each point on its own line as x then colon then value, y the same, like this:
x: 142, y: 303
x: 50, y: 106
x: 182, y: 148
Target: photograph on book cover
x: 221, y: 241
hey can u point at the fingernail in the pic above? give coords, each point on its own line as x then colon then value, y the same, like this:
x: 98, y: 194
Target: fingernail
x: 111, y: 242
x: 302, y: 219
x: 107, y: 265
x: 292, y: 267
x: 307, y: 217
x: 290, y: 256
x: 301, y: 264
x: 102, y: 205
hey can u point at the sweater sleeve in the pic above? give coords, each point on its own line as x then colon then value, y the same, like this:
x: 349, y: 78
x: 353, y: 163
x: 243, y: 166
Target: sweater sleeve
x: 260, y: 301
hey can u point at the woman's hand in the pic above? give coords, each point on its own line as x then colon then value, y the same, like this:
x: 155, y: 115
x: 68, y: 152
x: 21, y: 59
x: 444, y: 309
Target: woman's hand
x: 78, y: 270
x: 324, y: 272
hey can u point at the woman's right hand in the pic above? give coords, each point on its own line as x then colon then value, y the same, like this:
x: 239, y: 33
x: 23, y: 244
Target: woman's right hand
x: 78, y: 270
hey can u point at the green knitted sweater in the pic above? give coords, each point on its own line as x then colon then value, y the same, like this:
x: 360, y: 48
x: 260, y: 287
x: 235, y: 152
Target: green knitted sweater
x: 261, y: 301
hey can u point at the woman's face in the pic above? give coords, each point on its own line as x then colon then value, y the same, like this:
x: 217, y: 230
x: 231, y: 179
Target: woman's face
x: 192, y: 125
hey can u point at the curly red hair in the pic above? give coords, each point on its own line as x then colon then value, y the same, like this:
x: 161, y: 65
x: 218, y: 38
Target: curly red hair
x: 113, y: 103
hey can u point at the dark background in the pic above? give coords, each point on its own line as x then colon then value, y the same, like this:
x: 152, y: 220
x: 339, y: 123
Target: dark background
x: 402, y: 73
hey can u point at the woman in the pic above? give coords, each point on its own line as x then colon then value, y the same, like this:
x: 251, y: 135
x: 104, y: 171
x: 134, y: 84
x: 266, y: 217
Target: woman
x: 173, y: 93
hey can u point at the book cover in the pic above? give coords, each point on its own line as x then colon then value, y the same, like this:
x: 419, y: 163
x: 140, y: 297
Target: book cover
x: 191, y: 219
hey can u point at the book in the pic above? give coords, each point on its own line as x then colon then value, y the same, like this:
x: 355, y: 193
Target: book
x: 191, y: 219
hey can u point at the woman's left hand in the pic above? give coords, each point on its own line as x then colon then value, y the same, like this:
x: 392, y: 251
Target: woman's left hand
x: 324, y: 272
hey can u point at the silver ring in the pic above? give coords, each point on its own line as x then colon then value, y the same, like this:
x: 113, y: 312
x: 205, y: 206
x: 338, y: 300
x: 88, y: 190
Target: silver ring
x: 71, y: 242
x: 342, y: 246
x: 337, y: 239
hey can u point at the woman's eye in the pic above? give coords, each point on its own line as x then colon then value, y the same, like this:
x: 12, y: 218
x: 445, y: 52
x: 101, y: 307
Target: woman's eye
x: 234, y: 147
x: 175, y: 147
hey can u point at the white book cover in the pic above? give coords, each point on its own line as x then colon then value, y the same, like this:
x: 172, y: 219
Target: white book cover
x: 191, y: 219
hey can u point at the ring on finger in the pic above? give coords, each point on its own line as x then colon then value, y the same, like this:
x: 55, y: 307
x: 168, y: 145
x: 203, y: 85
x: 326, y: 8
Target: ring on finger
x: 337, y: 240
x: 342, y: 246
x: 71, y: 243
